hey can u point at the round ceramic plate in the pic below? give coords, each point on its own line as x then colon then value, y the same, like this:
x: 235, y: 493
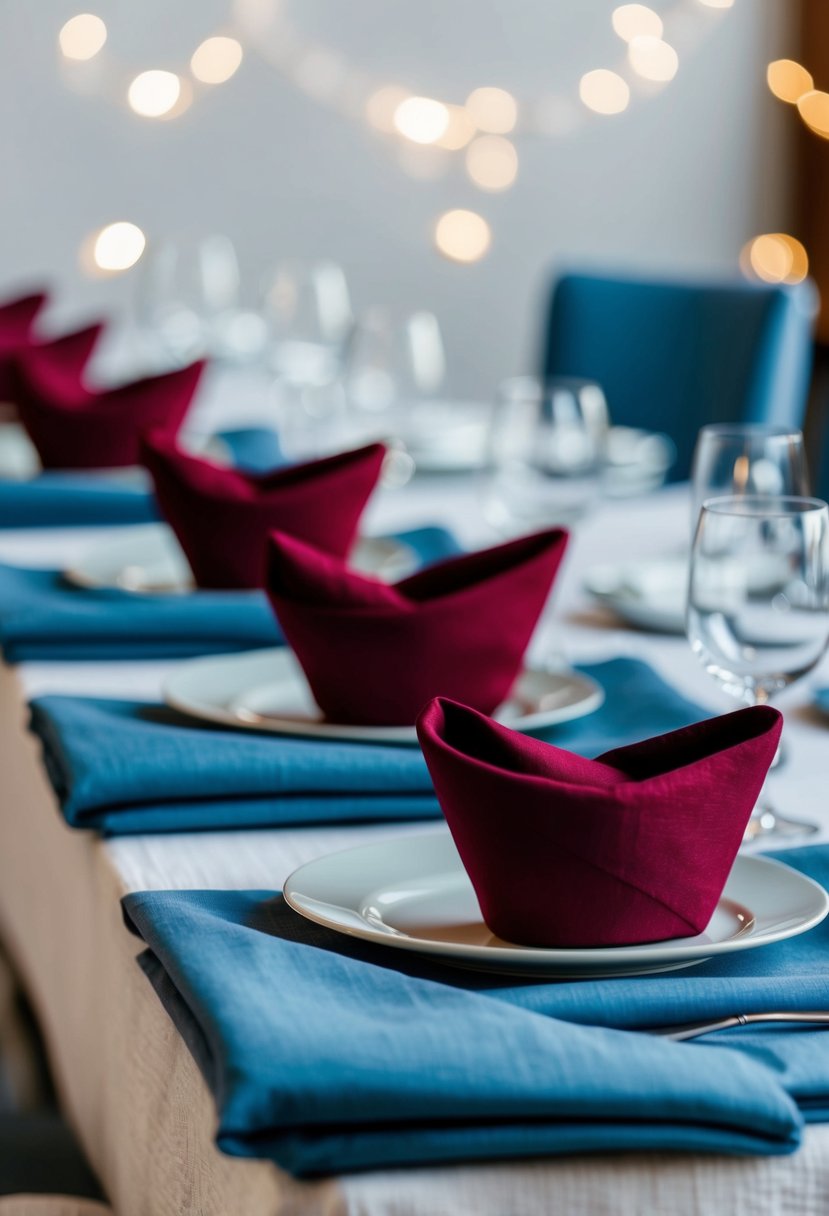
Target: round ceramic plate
x: 413, y: 893
x: 265, y: 690
x: 650, y: 595
x: 148, y: 560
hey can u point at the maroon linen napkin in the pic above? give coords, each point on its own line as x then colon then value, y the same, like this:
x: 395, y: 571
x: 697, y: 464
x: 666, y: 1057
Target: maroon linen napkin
x: 222, y: 517
x: 17, y: 318
x: 633, y: 847
x: 74, y: 427
x: 374, y: 654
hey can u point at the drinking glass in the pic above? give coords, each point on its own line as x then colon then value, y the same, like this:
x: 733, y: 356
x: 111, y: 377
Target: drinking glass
x: 737, y: 459
x: 189, y: 301
x: 308, y: 312
x: 757, y: 603
x: 546, y: 452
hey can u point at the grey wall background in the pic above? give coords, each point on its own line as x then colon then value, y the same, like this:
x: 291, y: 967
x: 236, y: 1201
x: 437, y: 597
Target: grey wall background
x: 679, y: 182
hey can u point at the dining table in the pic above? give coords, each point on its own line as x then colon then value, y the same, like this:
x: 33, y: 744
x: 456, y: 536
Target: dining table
x: 126, y: 1080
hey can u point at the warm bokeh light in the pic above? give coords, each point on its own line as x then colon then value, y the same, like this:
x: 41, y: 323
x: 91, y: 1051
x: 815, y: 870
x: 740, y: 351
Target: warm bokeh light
x: 421, y: 119
x: 813, y: 108
x: 604, y: 91
x: 460, y: 130
x: 636, y: 21
x: 82, y: 36
x: 775, y: 257
x: 117, y: 246
x: 653, y: 59
x: 492, y: 162
x: 788, y: 80
x: 216, y: 60
x: 492, y: 110
x: 382, y: 106
x: 153, y: 94
x: 462, y: 236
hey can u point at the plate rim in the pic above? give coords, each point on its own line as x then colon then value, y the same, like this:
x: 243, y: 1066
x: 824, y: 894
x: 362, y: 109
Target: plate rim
x: 552, y: 960
x: 593, y: 699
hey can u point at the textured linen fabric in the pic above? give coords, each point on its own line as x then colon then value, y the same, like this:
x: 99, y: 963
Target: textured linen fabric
x: 70, y: 500
x: 43, y: 617
x: 74, y: 427
x: 125, y: 767
x: 325, y: 1059
x: 567, y: 851
x: 222, y: 516
x: 374, y: 653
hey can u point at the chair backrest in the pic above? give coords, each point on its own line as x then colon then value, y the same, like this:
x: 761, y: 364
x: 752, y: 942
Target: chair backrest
x: 673, y: 356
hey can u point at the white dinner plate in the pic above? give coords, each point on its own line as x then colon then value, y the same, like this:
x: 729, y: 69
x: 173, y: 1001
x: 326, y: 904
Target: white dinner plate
x: 265, y: 690
x: 650, y: 594
x: 413, y: 893
x: 148, y: 560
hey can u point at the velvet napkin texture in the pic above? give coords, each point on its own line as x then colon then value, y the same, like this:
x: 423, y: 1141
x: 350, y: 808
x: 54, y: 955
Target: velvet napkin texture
x: 74, y: 427
x: 222, y: 516
x: 634, y: 846
x: 44, y: 618
x: 125, y: 766
x: 327, y: 1055
x: 375, y: 654
x: 17, y: 318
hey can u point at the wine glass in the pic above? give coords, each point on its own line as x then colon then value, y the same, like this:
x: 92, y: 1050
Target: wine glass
x: 737, y: 459
x: 757, y: 604
x: 546, y: 452
x: 308, y: 311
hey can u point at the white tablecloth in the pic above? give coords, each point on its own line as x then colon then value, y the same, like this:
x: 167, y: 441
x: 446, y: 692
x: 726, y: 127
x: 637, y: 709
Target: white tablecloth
x: 131, y: 1089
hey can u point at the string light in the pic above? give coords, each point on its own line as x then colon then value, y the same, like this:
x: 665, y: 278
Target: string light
x: 604, y: 92
x: 82, y: 37
x: 653, y: 59
x: 636, y: 21
x: 788, y: 80
x: 155, y: 93
x: 459, y: 130
x: 492, y: 110
x: 216, y: 60
x: 813, y: 108
x: 421, y: 119
x: 775, y: 257
x: 117, y: 246
x: 463, y: 236
x: 382, y: 106
x: 492, y: 162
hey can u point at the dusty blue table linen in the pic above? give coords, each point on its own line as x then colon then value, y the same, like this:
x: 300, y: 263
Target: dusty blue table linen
x: 325, y: 1054
x: 43, y: 618
x: 124, y: 767
x: 73, y: 500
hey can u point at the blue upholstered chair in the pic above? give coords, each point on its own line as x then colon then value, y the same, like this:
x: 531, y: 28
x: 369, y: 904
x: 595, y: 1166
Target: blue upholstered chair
x: 672, y: 356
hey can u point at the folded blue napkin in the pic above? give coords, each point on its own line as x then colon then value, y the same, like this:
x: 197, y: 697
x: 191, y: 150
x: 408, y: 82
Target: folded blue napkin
x: 73, y: 500
x: 125, y: 766
x: 44, y: 618
x: 325, y: 1054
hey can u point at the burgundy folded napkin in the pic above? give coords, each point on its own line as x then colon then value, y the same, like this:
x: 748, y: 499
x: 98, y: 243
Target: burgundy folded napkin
x: 74, y: 427
x: 374, y: 654
x: 222, y: 517
x: 635, y: 846
x: 62, y: 361
x: 17, y: 318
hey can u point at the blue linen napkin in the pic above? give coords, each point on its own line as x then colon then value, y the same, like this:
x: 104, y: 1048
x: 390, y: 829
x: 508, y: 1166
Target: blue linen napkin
x: 325, y: 1054
x: 123, y: 767
x: 44, y: 618
x: 73, y: 500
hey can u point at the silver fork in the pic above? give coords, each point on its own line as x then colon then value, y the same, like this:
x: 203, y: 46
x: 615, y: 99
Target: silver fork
x: 693, y: 1030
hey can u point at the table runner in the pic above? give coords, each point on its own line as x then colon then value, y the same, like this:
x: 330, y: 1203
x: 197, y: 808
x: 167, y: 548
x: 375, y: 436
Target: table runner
x: 65, y: 500
x: 124, y: 767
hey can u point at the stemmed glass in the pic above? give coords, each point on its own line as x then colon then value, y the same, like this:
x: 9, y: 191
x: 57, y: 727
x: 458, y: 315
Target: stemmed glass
x: 747, y: 458
x: 547, y: 448
x: 757, y: 604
